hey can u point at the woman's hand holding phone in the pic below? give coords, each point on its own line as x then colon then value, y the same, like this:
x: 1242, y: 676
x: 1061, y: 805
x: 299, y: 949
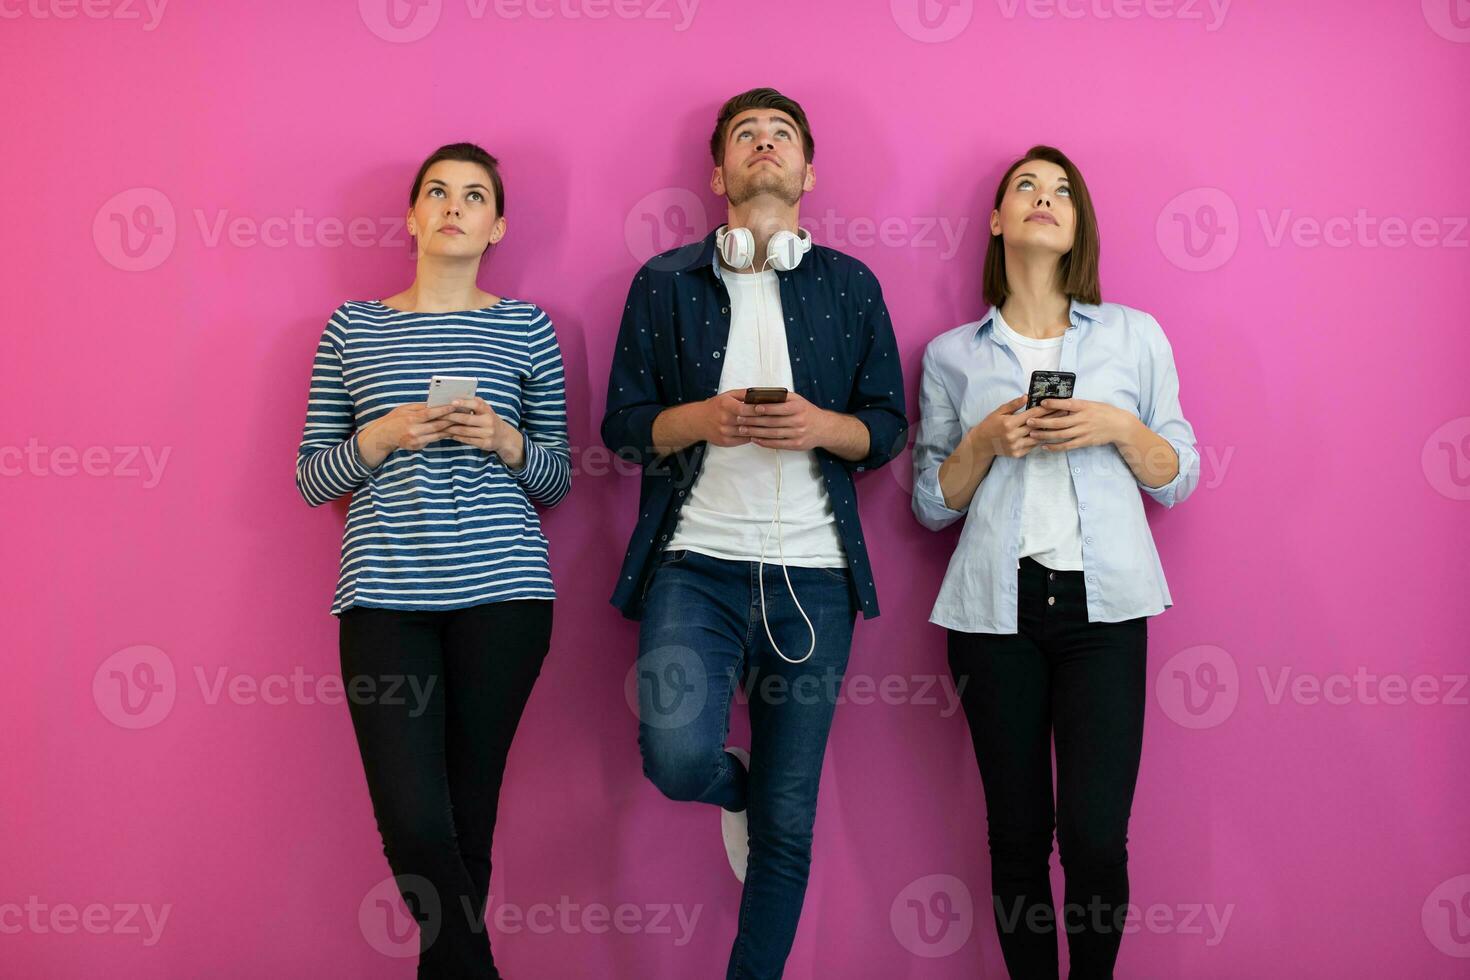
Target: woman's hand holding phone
x: 1005, y: 432
x: 1076, y: 423
x: 474, y: 422
x: 410, y: 427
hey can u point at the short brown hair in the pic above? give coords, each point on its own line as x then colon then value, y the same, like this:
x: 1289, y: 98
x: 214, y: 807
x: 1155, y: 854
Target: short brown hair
x: 760, y: 98
x: 1078, y: 269
x: 466, y: 153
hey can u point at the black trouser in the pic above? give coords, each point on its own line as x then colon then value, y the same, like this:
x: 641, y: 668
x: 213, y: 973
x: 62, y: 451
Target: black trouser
x: 438, y: 698
x: 1085, y: 683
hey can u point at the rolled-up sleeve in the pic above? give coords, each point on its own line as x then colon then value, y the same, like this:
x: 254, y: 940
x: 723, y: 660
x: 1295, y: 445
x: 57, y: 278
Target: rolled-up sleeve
x: 633, y: 398
x: 940, y: 431
x: 877, y: 394
x: 1161, y: 412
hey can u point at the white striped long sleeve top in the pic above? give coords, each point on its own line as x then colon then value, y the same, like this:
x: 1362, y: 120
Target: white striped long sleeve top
x: 450, y: 525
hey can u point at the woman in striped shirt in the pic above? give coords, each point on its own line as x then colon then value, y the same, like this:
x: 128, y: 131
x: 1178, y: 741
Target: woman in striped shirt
x: 445, y: 596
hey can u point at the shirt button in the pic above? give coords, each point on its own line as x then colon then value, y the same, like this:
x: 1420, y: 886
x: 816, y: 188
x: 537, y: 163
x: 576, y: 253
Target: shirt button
x: 1081, y: 506
x: 1076, y: 469
x: 717, y: 355
x: 1088, y: 540
x: 1052, y: 576
x: 724, y: 309
x: 1051, y: 600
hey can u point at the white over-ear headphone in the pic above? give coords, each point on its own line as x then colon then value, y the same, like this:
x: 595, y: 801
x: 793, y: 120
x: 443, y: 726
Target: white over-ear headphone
x: 783, y: 251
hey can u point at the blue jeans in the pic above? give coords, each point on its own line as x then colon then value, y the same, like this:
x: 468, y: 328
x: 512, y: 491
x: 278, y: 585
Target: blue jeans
x: 702, y: 634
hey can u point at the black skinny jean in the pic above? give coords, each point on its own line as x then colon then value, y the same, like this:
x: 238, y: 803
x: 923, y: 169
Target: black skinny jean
x: 1084, y: 684
x: 439, y: 695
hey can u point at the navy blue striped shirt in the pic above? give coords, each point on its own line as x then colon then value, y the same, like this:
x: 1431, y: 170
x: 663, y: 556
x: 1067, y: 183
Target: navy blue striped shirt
x: 447, y: 526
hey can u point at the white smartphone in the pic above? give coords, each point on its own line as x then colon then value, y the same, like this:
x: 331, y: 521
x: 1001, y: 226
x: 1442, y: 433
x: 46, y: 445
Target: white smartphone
x: 444, y: 389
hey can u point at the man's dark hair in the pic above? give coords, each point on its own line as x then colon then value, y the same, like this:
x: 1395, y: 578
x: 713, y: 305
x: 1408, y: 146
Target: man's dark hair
x: 760, y: 98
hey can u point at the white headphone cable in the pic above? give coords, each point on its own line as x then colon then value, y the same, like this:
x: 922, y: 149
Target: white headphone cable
x: 776, y: 517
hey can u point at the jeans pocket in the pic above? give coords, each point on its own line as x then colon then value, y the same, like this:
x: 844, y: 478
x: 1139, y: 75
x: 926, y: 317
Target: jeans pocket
x: 671, y: 557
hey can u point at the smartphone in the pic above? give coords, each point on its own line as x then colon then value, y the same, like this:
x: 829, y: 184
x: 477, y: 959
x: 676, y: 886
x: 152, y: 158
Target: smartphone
x: 764, y: 396
x: 444, y: 389
x: 1050, y: 384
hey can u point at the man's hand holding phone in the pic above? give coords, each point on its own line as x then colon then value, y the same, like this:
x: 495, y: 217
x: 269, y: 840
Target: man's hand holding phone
x: 793, y: 423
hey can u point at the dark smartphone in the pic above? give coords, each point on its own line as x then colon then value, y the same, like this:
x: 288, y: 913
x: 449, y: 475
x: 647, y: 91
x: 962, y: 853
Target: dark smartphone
x: 1050, y: 384
x: 764, y: 396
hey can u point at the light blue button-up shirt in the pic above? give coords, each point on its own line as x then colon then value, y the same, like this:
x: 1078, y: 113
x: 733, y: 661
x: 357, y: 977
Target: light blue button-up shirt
x: 1120, y: 356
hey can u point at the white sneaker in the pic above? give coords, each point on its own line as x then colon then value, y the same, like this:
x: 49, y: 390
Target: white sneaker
x: 735, y: 827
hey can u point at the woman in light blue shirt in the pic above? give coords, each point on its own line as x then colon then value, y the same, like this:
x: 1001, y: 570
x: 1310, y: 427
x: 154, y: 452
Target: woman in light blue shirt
x: 1046, y: 596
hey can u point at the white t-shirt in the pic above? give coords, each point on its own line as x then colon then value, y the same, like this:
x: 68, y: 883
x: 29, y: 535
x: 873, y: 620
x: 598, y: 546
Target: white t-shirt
x: 733, y: 499
x: 1050, y: 531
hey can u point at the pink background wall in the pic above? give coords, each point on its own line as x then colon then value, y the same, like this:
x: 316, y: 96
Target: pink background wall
x: 1303, y: 802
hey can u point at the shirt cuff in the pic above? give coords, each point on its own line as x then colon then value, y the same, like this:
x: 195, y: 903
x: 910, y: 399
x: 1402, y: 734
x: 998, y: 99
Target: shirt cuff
x: 1168, y: 494
x: 355, y: 459
x: 929, y: 499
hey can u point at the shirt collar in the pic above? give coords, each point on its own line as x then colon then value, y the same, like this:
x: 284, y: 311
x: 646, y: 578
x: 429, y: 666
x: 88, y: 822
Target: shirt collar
x: 1076, y: 312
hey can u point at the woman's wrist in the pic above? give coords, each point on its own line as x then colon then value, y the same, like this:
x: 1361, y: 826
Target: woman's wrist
x: 1131, y: 432
x: 511, y: 447
x: 369, y: 453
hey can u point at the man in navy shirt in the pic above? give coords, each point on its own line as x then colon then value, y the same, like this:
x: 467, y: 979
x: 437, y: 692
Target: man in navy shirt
x: 747, y: 562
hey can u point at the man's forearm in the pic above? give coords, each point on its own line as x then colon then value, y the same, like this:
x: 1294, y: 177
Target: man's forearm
x: 678, y: 428
x: 850, y: 439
